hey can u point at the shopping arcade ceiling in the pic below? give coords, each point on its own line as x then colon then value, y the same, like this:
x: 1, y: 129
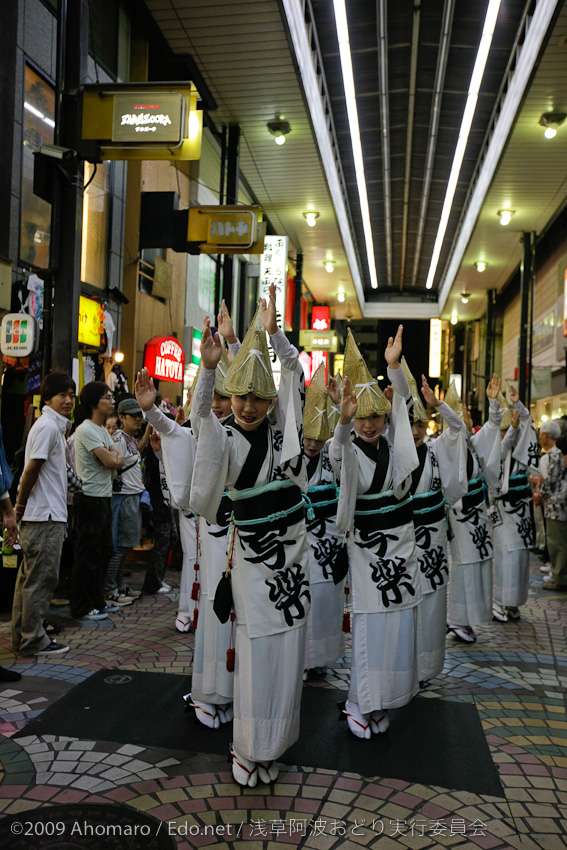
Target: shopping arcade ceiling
x: 265, y: 59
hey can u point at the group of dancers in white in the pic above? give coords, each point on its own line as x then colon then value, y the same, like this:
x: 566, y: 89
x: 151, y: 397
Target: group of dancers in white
x: 305, y: 514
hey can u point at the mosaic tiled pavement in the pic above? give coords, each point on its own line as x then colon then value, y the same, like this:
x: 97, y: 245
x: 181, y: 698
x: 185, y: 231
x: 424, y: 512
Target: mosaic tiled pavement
x: 516, y: 675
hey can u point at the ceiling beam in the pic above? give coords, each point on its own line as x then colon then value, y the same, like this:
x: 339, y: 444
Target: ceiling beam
x: 526, y: 61
x: 385, y: 129
x: 409, y: 136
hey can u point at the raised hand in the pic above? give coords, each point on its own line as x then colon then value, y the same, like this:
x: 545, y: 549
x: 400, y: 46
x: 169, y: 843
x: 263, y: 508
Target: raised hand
x: 268, y: 311
x: 389, y: 393
x: 334, y: 393
x: 394, y: 349
x: 180, y: 412
x: 467, y: 418
x: 211, y: 350
x: 513, y: 394
x: 515, y: 418
x: 428, y: 393
x: 155, y: 441
x: 145, y: 390
x: 349, y: 404
x: 225, y: 324
x: 493, y: 387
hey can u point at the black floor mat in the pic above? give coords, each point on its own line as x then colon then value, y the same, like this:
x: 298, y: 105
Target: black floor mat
x: 430, y: 741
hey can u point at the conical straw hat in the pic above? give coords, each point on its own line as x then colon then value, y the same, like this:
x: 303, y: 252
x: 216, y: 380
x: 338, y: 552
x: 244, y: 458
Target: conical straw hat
x: 453, y: 399
x: 221, y: 373
x: 315, y: 421
x: 506, y: 412
x: 419, y: 412
x: 333, y: 413
x: 251, y: 370
x: 370, y: 397
x: 187, y: 407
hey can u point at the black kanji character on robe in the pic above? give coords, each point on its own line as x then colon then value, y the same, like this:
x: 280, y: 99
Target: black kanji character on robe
x: 374, y: 539
x: 289, y: 589
x: 268, y: 546
x: 390, y: 575
x: 533, y: 455
x: 434, y: 566
x: 423, y: 534
x: 278, y: 439
x: 482, y: 541
x: 316, y: 527
x: 324, y: 552
x: 472, y: 514
x: 326, y: 464
x: 526, y: 530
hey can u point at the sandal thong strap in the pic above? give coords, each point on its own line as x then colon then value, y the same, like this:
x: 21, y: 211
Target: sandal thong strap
x: 354, y: 720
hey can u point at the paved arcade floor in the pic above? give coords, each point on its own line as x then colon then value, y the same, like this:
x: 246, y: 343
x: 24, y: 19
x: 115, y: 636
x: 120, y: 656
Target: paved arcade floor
x: 515, y: 674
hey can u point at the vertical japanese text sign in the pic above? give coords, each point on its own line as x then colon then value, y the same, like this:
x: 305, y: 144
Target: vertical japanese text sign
x: 273, y: 265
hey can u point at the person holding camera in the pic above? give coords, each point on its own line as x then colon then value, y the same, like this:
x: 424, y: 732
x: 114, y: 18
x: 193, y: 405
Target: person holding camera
x: 127, y: 489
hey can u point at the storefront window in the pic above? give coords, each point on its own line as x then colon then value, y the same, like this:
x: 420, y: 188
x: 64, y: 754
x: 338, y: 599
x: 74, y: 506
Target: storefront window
x: 38, y: 130
x: 96, y: 206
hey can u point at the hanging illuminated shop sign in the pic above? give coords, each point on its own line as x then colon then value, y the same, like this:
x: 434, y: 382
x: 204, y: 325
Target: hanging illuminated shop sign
x: 321, y: 318
x: 196, y: 347
x: 90, y: 321
x: 156, y: 119
x: 164, y: 358
x: 141, y: 121
x: 19, y: 335
x: 435, y: 341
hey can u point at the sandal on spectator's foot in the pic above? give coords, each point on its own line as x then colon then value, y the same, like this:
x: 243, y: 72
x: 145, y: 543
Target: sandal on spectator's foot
x: 244, y: 771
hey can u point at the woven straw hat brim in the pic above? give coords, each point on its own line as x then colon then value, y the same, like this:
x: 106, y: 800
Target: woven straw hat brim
x: 370, y: 397
x: 315, y: 420
x: 251, y: 369
x: 453, y: 399
x: 221, y: 373
x: 506, y: 412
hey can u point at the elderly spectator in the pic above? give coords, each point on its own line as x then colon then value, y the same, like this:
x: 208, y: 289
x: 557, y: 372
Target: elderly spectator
x: 554, y: 491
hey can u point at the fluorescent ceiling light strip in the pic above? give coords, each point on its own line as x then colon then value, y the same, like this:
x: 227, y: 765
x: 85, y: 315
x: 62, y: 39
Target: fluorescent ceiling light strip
x: 468, y: 115
x: 38, y: 114
x: 352, y: 112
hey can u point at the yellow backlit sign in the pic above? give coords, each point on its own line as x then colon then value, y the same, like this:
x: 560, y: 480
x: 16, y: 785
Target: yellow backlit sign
x: 142, y: 121
x: 435, y: 343
x: 90, y: 319
x: 319, y: 341
x: 227, y: 229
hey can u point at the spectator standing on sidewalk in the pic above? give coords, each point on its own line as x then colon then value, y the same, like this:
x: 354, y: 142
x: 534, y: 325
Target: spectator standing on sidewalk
x: 96, y: 457
x: 127, y: 492
x: 42, y: 509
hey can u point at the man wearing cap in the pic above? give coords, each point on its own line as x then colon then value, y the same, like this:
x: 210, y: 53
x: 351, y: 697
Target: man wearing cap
x: 127, y: 491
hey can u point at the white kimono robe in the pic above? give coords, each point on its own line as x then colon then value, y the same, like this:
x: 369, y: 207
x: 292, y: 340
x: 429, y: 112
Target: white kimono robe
x: 470, y: 534
x: 383, y: 573
x: 211, y: 682
x: 441, y: 478
x: 325, y: 639
x: 270, y: 564
x: 512, y: 513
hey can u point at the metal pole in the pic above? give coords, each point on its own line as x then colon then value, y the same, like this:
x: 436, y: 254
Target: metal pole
x: 221, y: 201
x: 526, y: 278
x: 528, y: 398
x: 489, y: 343
x: 231, y: 198
x: 68, y: 201
x: 294, y: 335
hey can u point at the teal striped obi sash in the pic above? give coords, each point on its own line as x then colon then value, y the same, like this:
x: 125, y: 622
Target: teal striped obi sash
x: 278, y: 503
x: 518, y: 489
x: 321, y: 501
x: 428, y: 507
x: 379, y: 511
x: 475, y: 494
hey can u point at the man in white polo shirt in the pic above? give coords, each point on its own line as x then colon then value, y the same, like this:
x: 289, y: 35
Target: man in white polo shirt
x: 42, y: 509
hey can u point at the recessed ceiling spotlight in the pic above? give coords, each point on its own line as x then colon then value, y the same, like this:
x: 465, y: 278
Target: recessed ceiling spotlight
x: 329, y: 265
x: 454, y: 317
x: 341, y: 297
x: 311, y: 218
x: 481, y: 265
x: 279, y: 129
x: 505, y: 216
x: 465, y: 297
